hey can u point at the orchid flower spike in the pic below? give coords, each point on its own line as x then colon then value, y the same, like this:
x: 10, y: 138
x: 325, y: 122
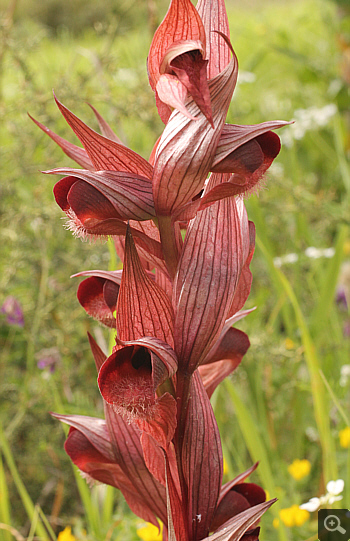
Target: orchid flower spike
x: 181, y: 229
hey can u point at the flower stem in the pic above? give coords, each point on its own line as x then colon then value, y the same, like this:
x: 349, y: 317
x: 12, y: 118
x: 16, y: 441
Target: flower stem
x: 169, y: 247
x: 183, y: 386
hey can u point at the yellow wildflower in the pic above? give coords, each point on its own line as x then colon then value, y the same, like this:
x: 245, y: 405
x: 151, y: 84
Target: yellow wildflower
x: 287, y: 516
x: 301, y: 516
x: 225, y: 467
x: 276, y: 523
x: 293, y: 516
x: 347, y: 247
x: 289, y: 344
x: 150, y: 533
x: 344, y: 437
x: 299, y: 468
x: 66, y: 535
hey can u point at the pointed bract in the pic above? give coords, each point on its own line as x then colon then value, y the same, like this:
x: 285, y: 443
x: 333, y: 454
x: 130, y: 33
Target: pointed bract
x: 92, y: 449
x: 202, y: 460
x: 209, y: 271
x: 245, y: 280
x: 178, y: 528
x: 105, y: 153
x: 214, y: 17
x: 150, y: 231
x: 99, y: 355
x: 143, y: 307
x: 235, y: 528
x: 78, y: 154
x: 125, y: 439
x: 105, y: 128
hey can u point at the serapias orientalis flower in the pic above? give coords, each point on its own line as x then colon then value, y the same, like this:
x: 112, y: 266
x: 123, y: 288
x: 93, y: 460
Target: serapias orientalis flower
x: 180, y: 227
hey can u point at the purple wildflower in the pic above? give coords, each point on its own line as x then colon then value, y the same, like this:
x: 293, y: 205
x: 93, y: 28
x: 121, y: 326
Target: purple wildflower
x: 48, y: 359
x: 12, y: 308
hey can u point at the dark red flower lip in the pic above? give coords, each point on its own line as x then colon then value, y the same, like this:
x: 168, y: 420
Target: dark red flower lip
x: 98, y: 297
x: 125, y: 380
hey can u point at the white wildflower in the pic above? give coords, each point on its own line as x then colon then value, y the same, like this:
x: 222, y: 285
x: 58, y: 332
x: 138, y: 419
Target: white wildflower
x: 246, y: 77
x: 344, y: 375
x: 316, y: 253
x: 288, y: 258
x: 308, y: 119
x: 312, y: 434
x: 312, y: 505
x: 311, y: 252
x: 334, y: 488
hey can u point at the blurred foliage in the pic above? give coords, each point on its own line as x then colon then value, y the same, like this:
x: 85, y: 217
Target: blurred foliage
x: 293, y: 62
x: 79, y: 15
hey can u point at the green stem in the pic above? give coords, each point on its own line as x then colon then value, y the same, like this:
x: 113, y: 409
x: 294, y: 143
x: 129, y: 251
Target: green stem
x: 112, y: 265
x: 91, y: 511
x: 108, y: 505
x: 45, y: 266
x: 313, y: 364
x: 347, y: 483
x: 4, y: 501
x: 22, y: 491
x: 256, y: 448
x: 169, y: 247
x: 339, y: 147
x: 335, y: 399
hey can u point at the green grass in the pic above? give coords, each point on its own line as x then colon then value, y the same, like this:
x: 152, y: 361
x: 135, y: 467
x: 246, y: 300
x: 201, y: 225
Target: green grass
x: 285, y: 401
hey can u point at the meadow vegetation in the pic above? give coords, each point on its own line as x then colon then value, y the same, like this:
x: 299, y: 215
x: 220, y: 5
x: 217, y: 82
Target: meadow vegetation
x: 290, y: 398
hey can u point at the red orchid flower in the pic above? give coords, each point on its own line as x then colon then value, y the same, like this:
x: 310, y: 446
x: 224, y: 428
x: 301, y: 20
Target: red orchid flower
x: 98, y: 295
x: 118, y: 453
x: 181, y: 229
x: 176, y: 61
x: 111, y: 452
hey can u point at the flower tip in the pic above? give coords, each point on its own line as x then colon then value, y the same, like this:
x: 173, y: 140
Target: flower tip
x: 58, y: 103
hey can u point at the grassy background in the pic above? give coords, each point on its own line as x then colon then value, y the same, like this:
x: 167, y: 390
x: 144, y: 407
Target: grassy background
x: 276, y: 407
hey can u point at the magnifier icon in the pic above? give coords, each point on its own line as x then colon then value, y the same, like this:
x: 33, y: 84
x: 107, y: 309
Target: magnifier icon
x: 332, y: 524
